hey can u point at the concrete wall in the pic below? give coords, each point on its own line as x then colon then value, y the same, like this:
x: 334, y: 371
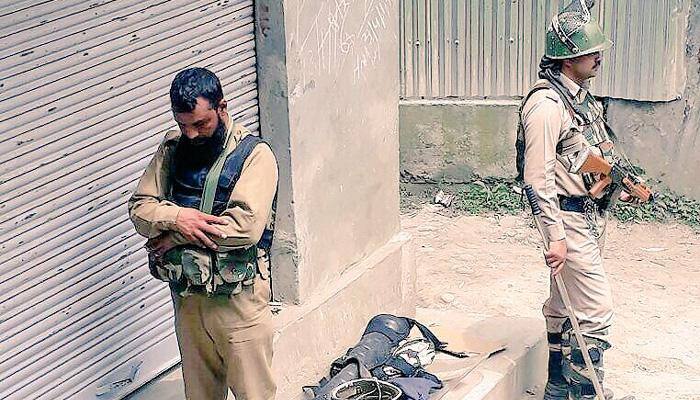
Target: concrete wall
x: 274, y: 127
x: 328, y: 88
x: 339, y: 92
x: 452, y: 141
x: 455, y: 141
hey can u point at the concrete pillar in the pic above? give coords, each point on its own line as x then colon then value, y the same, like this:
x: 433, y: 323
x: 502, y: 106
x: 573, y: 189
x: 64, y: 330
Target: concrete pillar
x: 328, y: 87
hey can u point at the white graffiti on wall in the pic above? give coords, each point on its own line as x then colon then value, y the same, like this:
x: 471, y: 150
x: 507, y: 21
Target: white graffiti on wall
x: 333, y: 38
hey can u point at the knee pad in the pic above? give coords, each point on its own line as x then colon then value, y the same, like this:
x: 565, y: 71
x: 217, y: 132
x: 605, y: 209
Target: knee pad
x: 582, y: 391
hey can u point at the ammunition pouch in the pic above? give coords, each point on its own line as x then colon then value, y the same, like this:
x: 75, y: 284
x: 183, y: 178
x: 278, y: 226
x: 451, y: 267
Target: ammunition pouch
x: 190, y: 269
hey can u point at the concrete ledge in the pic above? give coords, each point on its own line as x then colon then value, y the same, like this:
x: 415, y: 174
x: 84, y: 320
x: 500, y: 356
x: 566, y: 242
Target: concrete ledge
x: 310, y: 336
x: 506, y: 375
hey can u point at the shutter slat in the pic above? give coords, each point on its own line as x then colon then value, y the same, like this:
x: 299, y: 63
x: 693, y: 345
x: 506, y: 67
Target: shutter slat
x: 83, y: 106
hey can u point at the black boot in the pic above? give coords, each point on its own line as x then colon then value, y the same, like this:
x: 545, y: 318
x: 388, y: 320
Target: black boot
x: 557, y: 388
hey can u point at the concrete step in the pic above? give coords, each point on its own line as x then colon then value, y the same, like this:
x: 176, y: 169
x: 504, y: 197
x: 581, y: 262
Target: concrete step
x: 518, y: 372
x: 167, y: 386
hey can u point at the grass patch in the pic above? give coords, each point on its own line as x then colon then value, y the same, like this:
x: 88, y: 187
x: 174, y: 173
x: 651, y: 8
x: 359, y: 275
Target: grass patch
x: 496, y: 196
x: 667, y: 206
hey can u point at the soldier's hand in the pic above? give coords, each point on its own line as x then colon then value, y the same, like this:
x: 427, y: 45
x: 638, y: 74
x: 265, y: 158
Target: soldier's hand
x: 629, y: 199
x: 197, y: 227
x: 556, y: 256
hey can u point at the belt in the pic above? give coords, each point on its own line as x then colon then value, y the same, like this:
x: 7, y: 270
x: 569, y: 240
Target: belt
x: 579, y: 204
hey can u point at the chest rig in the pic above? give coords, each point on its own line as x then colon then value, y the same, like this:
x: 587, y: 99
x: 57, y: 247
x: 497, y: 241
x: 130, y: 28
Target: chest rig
x: 192, y: 269
x: 588, y: 116
x: 588, y: 119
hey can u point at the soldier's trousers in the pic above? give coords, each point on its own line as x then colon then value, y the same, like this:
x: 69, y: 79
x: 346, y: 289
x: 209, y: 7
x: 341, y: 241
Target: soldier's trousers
x: 591, y: 299
x: 226, y: 343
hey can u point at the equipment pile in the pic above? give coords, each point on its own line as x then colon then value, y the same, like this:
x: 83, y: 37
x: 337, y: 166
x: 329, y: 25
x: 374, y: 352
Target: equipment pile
x: 386, y: 364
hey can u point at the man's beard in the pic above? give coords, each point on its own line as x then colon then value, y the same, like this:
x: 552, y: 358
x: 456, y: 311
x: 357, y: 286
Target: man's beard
x: 201, y: 152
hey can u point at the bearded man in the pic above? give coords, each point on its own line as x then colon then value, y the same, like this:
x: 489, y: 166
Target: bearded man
x: 205, y: 204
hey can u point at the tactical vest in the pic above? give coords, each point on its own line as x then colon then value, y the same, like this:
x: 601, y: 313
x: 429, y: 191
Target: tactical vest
x: 587, y: 116
x: 190, y: 269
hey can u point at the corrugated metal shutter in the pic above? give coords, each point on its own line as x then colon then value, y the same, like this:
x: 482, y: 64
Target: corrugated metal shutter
x: 83, y: 105
x: 492, y: 48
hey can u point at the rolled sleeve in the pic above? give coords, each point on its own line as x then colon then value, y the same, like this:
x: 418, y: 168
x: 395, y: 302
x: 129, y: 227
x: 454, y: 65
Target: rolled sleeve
x: 150, y: 212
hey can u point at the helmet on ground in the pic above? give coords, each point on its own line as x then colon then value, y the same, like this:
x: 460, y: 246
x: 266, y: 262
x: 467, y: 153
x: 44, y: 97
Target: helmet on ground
x: 366, y: 389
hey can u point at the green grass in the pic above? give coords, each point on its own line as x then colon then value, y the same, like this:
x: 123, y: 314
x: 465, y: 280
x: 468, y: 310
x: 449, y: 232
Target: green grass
x: 488, y: 196
x: 496, y: 196
x: 667, y: 206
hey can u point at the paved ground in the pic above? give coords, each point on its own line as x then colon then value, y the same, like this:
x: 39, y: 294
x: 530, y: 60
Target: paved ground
x: 488, y: 266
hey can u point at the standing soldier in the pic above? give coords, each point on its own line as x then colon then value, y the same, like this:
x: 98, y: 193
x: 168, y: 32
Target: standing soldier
x: 205, y: 204
x: 558, y: 119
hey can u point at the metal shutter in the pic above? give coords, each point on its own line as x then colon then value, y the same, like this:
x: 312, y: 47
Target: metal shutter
x: 83, y: 105
x: 492, y: 48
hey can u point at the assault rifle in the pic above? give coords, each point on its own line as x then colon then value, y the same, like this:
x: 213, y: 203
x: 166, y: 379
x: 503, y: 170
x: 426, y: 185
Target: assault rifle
x: 615, y: 177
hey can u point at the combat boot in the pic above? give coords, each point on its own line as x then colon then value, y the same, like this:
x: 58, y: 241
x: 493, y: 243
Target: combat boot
x: 556, y: 388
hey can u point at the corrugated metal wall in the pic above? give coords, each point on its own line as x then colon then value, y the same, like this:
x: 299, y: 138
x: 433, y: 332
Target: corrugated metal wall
x: 83, y: 105
x: 491, y: 48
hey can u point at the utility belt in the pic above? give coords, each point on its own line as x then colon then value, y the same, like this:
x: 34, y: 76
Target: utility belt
x: 580, y: 204
x: 191, y: 269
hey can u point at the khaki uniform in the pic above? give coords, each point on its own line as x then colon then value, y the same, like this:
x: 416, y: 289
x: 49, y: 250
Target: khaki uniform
x: 547, y: 124
x: 225, y: 342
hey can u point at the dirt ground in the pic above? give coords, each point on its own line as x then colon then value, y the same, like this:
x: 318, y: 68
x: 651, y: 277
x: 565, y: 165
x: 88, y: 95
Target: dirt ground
x: 490, y: 266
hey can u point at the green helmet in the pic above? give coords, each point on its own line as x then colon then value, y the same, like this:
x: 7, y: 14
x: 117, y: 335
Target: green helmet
x: 574, y: 33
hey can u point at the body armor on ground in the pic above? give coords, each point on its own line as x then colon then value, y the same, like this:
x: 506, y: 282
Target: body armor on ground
x: 376, y: 350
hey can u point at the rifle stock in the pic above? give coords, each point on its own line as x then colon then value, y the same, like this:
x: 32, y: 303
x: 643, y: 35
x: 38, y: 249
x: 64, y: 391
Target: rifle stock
x: 614, y: 174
